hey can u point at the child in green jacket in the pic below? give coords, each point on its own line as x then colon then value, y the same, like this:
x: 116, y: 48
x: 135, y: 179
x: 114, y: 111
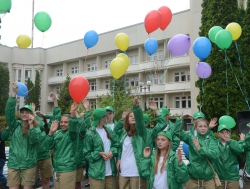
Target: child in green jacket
x: 164, y: 169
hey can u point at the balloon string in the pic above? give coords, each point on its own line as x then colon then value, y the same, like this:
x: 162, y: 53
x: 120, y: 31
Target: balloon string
x: 203, y: 93
x: 241, y: 70
x: 237, y: 81
x: 113, y: 92
x: 85, y: 59
x: 227, y: 83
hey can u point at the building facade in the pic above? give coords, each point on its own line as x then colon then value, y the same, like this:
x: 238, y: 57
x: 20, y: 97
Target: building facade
x: 171, y: 79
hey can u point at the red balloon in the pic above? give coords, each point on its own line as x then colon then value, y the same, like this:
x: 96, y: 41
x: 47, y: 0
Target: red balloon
x: 166, y: 17
x: 78, y: 88
x: 152, y: 21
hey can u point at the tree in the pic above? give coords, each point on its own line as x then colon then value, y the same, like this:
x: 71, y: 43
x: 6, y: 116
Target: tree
x: 65, y: 101
x: 30, y: 87
x: 214, y: 99
x: 4, y: 89
x: 37, y: 90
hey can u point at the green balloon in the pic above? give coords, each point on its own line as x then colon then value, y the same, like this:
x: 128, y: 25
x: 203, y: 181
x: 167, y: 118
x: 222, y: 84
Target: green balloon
x: 213, y: 31
x: 228, y: 121
x: 223, y: 39
x: 5, y: 6
x: 42, y: 21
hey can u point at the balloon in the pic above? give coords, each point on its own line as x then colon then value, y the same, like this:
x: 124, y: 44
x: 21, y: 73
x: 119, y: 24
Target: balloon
x: 42, y: 21
x: 223, y: 39
x: 122, y: 41
x: 78, y: 88
x: 203, y: 70
x: 90, y: 39
x: 23, y: 41
x: 179, y: 44
x: 22, y: 89
x: 152, y: 21
x: 166, y: 17
x: 150, y: 46
x: 202, y: 47
x: 228, y: 121
x: 5, y: 6
x: 235, y: 30
x: 185, y: 149
x: 213, y: 31
x: 117, y: 67
x: 125, y: 58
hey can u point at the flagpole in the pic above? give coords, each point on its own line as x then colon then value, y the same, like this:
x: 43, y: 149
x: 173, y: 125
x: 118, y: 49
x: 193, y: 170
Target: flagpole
x: 32, y: 33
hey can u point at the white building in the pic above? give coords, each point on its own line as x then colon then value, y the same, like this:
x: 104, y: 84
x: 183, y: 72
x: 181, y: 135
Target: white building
x: 176, y: 89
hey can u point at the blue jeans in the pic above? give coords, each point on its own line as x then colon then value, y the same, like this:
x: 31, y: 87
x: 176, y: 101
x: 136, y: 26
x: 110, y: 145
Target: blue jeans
x: 3, y: 179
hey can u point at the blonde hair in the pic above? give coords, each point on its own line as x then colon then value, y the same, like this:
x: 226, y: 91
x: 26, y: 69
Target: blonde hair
x: 200, y: 120
x: 157, y: 158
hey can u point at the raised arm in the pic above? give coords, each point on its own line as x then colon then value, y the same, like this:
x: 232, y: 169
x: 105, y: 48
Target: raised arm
x: 34, y: 131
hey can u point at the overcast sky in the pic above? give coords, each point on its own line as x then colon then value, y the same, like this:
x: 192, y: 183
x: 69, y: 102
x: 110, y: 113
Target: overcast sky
x: 71, y: 19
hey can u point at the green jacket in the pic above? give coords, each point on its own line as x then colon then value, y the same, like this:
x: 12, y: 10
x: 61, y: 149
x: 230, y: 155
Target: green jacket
x: 246, y: 145
x: 198, y: 167
x: 93, y: 147
x: 81, y: 134
x: 6, y: 135
x: 63, y: 143
x: 23, y: 150
x: 226, y: 165
x: 176, y: 138
x: 176, y: 174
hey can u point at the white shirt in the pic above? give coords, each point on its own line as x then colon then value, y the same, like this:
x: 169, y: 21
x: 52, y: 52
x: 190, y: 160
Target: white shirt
x: 128, y: 164
x: 161, y: 179
x: 112, y: 126
x: 166, y: 128
x: 106, y: 144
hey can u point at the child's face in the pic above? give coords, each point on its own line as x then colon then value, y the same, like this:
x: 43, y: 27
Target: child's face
x: 202, y: 127
x: 224, y: 134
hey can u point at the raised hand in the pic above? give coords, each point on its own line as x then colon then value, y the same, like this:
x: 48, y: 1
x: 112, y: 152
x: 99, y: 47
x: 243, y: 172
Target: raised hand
x: 242, y: 136
x: 74, y: 107
x: 124, y: 113
x: 186, y: 115
x: 152, y: 105
x: 52, y: 96
x: 31, y: 120
x: 146, y: 152
x: 179, y: 156
x: 32, y: 104
x: 53, y: 127
x: 136, y: 101
x: 196, y: 144
x: 15, y: 87
x: 86, y: 104
x: 213, y: 123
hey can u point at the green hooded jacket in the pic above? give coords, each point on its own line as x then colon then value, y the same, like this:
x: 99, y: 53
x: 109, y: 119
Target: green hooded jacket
x: 176, y: 174
x: 142, y: 138
x: 176, y: 138
x: 6, y: 135
x: 43, y: 150
x: 23, y: 150
x: 226, y: 165
x: 63, y: 143
x: 93, y: 147
x: 198, y: 167
x: 246, y: 145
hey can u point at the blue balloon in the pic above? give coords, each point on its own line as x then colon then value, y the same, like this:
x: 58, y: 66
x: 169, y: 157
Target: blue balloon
x: 150, y: 46
x: 22, y: 90
x: 90, y: 38
x: 202, y: 47
x: 185, y: 149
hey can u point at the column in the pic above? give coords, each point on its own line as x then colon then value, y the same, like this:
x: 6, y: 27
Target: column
x: 81, y: 66
x: 140, y: 54
x: 167, y: 101
x: 65, y: 69
x: 99, y: 62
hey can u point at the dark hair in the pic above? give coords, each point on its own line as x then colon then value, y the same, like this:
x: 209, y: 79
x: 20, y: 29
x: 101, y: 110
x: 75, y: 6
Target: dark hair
x: 131, y: 130
x: 46, y: 127
x: 108, y: 135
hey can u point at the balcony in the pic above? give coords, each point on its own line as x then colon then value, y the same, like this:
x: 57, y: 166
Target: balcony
x: 56, y: 80
x: 179, y: 111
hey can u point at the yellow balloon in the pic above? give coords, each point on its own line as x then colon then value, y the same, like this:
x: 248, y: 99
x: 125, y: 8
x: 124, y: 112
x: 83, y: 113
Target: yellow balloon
x: 235, y: 30
x: 125, y: 58
x: 117, y: 67
x: 122, y: 41
x: 23, y: 41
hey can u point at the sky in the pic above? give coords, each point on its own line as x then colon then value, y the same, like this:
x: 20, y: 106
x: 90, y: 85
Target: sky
x: 71, y: 19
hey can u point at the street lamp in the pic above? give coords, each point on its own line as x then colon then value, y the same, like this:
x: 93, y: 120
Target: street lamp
x: 145, y: 88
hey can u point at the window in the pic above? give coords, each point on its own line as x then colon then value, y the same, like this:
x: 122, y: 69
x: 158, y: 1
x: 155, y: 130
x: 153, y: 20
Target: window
x: 155, y: 78
x: 58, y: 90
x: 158, y: 55
x: 132, y: 81
x: 159, y: 101
x: 75, y: 70
x: 183, y: 102
x: 172, y: 56
x: 59, y: 72
x: 92, y: 86
x: 27, y: 74
x: 92, y: 104
x: 182, y: 76
x: 18, y: 74
x: 107, y: 63
x: 92, y: 67
x: 107, y: 85
x: 133, y: 59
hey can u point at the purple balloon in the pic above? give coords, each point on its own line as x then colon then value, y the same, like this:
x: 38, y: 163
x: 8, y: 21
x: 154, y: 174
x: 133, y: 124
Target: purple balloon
x: 179, y: 45
x: 203, y: 70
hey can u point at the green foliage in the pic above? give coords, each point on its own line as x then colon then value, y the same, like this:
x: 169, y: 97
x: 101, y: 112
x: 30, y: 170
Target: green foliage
x: 152, y: 117
x: 118, y: 97
x: 37, y: 90
x: 31, y: 95
x: 221, y: 13
x: 4, y: 89
x: 65, y: 101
